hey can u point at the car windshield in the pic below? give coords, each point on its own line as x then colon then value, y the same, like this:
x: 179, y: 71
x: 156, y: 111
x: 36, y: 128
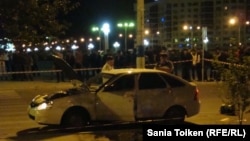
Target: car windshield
x: 99, y: 79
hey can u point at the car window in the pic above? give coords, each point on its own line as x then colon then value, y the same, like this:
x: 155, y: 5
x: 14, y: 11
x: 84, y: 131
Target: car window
x: 173, y: 82
x: 126, y: 82
x: 151, y: 81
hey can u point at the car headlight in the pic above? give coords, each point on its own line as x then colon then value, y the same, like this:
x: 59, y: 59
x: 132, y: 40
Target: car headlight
x: 45, y: 105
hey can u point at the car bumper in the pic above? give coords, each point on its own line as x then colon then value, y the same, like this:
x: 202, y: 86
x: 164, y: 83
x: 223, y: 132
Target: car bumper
x: 194, y: 109
x: 45, y: 117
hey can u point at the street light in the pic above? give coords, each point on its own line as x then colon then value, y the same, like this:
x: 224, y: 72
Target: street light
x: 186, y: 27
x: 116, y: 45
x: 233, y: 21
x: 125, y: 26
x: 96, y: 29
x: 106, y: 30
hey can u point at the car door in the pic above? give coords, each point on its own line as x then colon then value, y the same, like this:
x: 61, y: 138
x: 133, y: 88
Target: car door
x: 153, y: 96
x: 116, y: 100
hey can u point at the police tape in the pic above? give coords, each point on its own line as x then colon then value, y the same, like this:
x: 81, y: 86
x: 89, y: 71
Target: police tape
x: 224, y: 63
x: 44, y: 71
x: 92, y: 69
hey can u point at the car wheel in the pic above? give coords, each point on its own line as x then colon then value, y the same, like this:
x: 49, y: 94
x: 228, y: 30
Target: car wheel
x: 75, y: 118
x: 175, y: 115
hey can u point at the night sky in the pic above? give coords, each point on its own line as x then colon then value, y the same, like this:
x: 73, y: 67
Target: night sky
x: 96, y: 12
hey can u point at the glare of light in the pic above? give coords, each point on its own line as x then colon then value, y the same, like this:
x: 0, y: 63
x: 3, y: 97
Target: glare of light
x: 131, y: 24
x: 187, y: 39
x: 8, y: 46
x: 82, y: 39
x: 42, y: 106
x: 146, y: 42
x: 58, y: 48
x: 74, y: 47
x: 116, y: 45
x: 90, y: 46
x: 95, y: 29
x: 28, y: 50
x: 106, y: 28
x: 232, y: 21
x: 185, y: 27
x: 35, y: 49
x: 205, y: 40
x: 47, y: 48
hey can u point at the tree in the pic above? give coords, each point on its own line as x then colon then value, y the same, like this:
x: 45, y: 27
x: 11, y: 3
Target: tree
x: 31, y: 21
x: 236, y: 75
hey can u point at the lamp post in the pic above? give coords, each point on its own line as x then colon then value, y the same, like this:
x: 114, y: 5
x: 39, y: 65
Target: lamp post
x: 140, y: 58
x: 106, y: 30
x: 234, y: 21
x: 96, y: 29
x: 186, y: 27
x: 125, y: 26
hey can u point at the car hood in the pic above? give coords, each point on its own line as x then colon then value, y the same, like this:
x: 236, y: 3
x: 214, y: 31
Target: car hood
x: 47, y: 97
x: 68, y: 71
x: 65, y: 67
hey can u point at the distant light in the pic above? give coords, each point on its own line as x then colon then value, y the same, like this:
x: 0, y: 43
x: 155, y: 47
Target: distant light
x: 58, y: 48
x: 90, y: 46
x: 28, y: 50
x: 82, y: 39
x: 74, y: 47
x: 35, y: 49
x: 163, y: 20
x: 205, y: 40
x: 116, y: 45
x: 146, y: 42
x: 106, y: 28
x: 47, y: 48
x: 8, y: 46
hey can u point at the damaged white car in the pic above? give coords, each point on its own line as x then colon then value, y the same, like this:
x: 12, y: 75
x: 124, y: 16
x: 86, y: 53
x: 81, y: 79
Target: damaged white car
x: 129, y: 95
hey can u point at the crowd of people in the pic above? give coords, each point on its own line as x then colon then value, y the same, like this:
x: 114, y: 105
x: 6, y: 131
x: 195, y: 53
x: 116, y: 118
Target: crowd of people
x: 185, y: 62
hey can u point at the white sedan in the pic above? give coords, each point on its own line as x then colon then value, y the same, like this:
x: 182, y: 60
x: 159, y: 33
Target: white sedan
x: 118, y: 95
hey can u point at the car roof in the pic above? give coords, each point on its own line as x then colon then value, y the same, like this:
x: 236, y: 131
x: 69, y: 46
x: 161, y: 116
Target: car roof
x: 132, y: 70
x: 142, y: 70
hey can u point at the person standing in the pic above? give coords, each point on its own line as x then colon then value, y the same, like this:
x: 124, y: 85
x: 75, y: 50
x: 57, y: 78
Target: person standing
x: 164, y: 64
x: 186, y: 57
x: 109, y: 65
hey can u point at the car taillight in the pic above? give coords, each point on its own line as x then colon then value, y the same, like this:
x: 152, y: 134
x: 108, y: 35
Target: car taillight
x: 196, y: 94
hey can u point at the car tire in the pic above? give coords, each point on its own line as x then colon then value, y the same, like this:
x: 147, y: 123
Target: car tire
x: 175, y: 115
x: 75, y: 118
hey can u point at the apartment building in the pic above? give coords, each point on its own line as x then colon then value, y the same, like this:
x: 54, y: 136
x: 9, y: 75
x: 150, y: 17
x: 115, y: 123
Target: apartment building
x: 178, y: 23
